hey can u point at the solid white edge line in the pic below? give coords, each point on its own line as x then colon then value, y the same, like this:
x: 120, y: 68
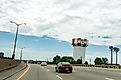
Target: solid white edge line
x: 24, y: 73
x: 59, y: 77
x: 109, y: 79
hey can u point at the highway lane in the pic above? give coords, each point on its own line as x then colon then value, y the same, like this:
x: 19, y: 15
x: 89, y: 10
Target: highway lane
x: 86, y: 73
x: 107, y: 73
x: 38, y: 72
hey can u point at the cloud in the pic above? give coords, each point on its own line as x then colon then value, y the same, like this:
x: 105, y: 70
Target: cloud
x: 98, y: 21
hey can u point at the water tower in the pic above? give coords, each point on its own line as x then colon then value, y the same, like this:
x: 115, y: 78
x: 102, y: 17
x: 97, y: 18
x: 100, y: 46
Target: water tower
x: 79, y: 48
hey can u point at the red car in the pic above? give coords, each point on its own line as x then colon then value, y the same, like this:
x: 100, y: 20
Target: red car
x: 64, y: 67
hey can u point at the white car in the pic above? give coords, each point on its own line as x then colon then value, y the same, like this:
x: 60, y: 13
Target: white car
x: 43, y: 64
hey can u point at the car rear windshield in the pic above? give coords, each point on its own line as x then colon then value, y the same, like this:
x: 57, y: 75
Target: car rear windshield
x: 65, y: 63
x: 43, y: 63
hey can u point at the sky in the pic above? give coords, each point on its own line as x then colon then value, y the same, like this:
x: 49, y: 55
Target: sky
x: 51, y: 24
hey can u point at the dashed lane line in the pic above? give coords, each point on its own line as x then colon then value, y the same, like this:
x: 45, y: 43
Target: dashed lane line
x: 59, y: 77
x: 24, y: 73
x: 109, y: 79
x: 42, y: 67
x: 48, y: 70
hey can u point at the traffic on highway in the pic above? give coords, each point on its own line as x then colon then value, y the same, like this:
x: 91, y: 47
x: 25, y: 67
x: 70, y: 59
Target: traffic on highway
x: 60, y: 40
x: 38, y: 72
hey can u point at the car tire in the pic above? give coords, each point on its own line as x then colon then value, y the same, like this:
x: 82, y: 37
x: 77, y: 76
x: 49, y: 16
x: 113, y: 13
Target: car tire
x: 59, y: 71
x: 70, y: 71
x: 56, y: 70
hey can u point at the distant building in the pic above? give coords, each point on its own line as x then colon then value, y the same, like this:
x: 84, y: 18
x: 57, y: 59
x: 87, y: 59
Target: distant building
x: 1, y: 54
x: 79, y: 48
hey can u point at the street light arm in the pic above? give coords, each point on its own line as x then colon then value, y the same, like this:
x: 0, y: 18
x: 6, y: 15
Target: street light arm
x: 14, y: 23
x: 17, y: 23
x: 24, y: 23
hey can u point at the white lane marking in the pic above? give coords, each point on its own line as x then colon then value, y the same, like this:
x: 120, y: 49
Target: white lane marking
x: 119, y: 73
x: 74, y: 71
x: 59, y: 77
x: 42, y: 67
x: 88, y: 69
x: 48, y: 70
x: 24, y: 72
x: 109, y: 79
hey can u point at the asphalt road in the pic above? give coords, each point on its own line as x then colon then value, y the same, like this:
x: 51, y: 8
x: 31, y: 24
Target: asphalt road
x: 38, y: 72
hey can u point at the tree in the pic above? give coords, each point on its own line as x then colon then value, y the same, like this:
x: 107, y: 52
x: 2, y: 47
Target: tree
x: 116, y: 50
x: 79, y: 61
x: 104, y: 60
x: 111, y: 49
x: 98, y: 61
x: 56, y: 59
x: 67, y: 59
x: 86, y: 63
x: 1, y: 54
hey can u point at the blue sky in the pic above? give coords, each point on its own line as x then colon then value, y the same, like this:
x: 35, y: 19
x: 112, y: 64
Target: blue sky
x: 45, y: 48
x: 51, y: 24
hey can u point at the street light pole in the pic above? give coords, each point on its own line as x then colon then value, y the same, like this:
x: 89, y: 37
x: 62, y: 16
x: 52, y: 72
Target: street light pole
x: 21, y: 54
x: 90, y: 61
x: 13, y: 55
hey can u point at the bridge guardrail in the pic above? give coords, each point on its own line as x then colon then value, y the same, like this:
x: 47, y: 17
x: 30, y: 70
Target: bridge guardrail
x: 102, y: 66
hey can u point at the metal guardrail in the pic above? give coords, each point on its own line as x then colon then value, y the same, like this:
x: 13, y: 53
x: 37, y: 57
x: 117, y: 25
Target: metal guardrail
x: 102, y: 66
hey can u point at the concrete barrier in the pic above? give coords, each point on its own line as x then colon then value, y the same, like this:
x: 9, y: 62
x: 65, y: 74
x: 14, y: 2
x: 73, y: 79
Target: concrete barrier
x: 6, y: 64
x: 14, y: 71
x: 102, y: 66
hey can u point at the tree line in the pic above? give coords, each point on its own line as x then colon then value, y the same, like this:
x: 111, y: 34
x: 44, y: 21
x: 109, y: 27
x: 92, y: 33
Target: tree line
x: 70, y: 59
x: 97, y: 61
